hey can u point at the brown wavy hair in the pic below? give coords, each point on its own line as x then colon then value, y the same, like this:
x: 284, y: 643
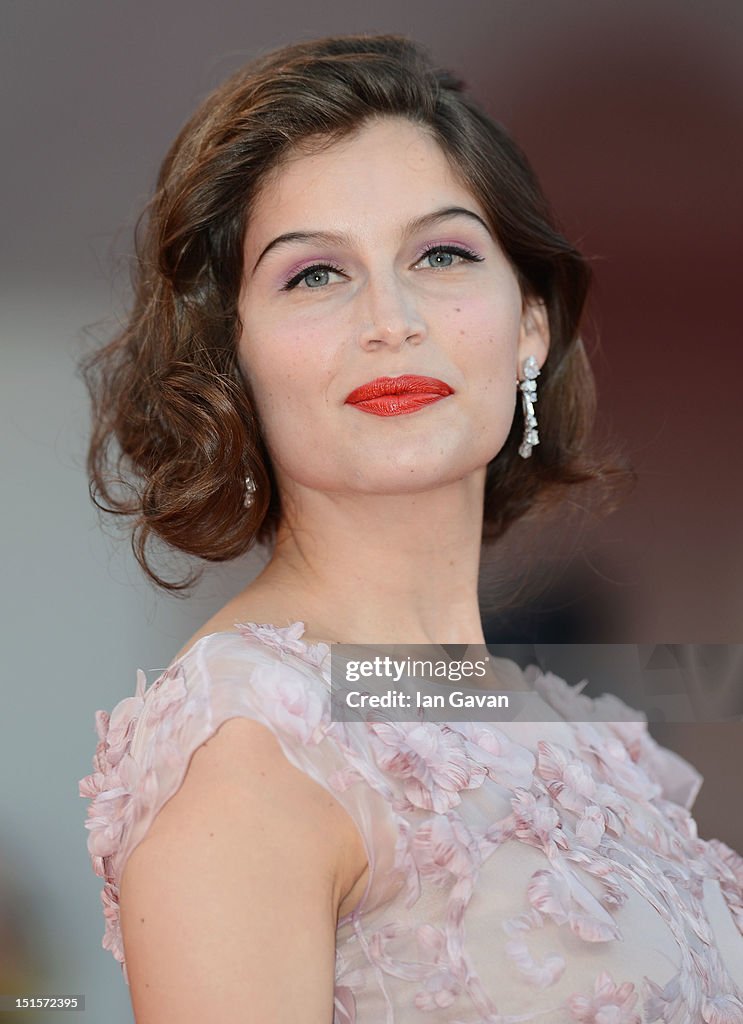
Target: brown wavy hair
x: 175, y: 430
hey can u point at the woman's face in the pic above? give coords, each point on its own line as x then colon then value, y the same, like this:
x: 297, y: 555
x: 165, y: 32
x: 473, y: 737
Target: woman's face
x: 391, y: 270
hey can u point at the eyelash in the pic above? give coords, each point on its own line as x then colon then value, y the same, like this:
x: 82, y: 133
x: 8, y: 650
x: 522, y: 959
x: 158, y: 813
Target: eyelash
x: 455, y: 250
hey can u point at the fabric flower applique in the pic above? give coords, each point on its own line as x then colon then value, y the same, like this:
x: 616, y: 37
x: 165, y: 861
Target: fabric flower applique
x: 389, y: 960
x: 604, y: 870
x: 108, y: 787
x: 563, y: 698
x: 627, y: 724
x: 609, y: 1003
x: 294, y: 707
x: 726, y: 865
x: 442, y: 986
x: 431, y: 762
x: 509, y: 764
x: 558, y: 893
x: 537, y: 822
x: 591, y: 827
x: 286, y: 639
x: 569, y: 781
x: 614, y: 765
x: 445, y: 849
x: 112, y: 783
x: 543, y: 974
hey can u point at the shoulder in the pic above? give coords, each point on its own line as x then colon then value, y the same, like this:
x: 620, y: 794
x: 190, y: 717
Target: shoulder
x: 236, y: 720
x: 146, y: 742
x: 243, y: 831
x: 230, y: 676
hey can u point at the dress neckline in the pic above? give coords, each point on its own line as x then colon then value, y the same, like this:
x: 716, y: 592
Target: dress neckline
x: 679, y: 779
x: 289, y: 639
x: 545, y: 687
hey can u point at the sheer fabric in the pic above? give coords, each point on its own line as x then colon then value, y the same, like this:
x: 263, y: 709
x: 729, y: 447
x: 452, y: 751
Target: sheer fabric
x: 519, y: 871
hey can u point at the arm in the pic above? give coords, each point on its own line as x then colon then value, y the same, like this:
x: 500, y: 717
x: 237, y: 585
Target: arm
x: 229, y: 905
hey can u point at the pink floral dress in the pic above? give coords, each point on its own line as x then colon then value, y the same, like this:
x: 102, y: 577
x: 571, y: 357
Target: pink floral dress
x: 523, y: 871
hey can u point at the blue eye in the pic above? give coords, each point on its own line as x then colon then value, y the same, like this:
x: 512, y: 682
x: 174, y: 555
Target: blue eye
x: 438, y: 254
x: 450, y: 250
x: 310, y: 275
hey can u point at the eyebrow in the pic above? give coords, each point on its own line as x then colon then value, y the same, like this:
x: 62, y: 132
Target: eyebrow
x: 339, y: 238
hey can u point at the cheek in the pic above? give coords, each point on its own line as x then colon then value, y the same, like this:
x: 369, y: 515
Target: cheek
x: 286, y: 372
x: 485, y: 339
x: 490, y: 316
x: 487, y: 335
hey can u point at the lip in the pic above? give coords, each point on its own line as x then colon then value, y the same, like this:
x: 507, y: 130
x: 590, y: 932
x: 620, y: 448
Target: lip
x: 408, y: 386
x: 398, y: 405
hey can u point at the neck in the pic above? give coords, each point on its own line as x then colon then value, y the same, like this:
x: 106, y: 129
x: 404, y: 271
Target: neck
x: 370, y: 568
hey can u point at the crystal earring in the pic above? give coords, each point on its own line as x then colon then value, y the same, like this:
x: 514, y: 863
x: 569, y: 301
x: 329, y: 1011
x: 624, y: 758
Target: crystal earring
x: 528, y: 389
x: 249, y: 499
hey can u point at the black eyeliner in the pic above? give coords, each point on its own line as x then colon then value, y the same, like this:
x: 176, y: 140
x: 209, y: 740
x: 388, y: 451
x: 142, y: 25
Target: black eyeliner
x: 456, y: 249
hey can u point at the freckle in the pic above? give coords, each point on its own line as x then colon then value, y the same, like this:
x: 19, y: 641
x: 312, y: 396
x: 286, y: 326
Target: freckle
x: 461, y: 332
x: 457, y: 309
x: 211, y: 835
x: 141, y: 920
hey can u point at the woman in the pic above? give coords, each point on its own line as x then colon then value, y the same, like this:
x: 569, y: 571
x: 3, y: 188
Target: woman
x: 349, y: 277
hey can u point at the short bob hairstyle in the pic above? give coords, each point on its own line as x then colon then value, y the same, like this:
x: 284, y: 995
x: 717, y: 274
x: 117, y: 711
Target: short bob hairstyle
x: 175, y: 431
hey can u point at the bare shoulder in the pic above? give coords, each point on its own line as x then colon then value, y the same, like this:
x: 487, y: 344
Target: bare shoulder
x: 254, y: 604
x: 244, y: 754
x: 237, y: 889
x: 217, y: 624
x: 234, y: 882
x: 242, y: 764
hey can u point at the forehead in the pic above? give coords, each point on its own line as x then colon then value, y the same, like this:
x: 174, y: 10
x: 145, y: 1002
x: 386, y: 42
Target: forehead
x: 389, y: 170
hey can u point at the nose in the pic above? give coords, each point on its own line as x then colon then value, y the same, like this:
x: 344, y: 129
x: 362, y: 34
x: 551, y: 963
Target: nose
x: 390, y: 316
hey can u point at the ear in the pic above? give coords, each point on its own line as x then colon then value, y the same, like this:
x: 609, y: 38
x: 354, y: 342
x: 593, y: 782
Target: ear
x: 534, y: 335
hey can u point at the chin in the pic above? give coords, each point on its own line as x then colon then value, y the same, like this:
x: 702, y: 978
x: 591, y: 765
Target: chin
x: 420, y: 476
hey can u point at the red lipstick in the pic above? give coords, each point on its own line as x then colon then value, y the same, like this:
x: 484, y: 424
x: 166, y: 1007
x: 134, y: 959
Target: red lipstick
x: 396, y: 396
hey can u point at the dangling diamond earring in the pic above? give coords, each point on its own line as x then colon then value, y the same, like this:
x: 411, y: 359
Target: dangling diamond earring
x: 249, y: 499
x: 528, y: 389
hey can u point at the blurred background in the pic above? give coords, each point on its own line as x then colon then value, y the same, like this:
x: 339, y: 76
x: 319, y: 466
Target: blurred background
x: 630, y: 113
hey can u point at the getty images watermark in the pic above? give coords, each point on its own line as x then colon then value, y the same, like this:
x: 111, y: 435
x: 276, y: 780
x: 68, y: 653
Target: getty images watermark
x: 574, y: 682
